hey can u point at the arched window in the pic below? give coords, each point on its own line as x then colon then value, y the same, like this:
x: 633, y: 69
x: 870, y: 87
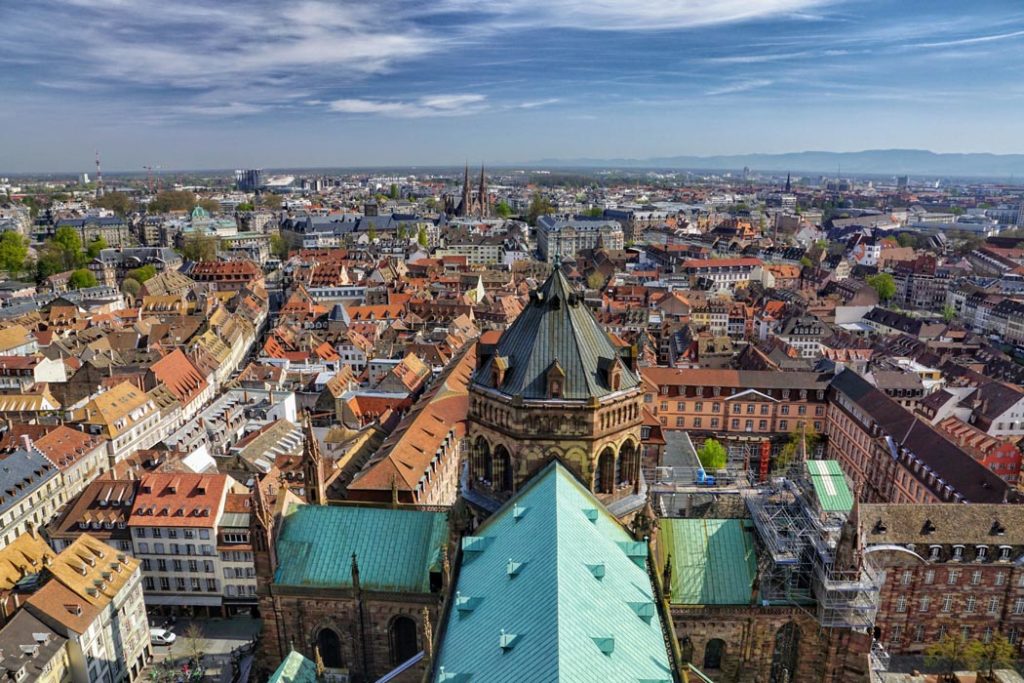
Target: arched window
x: 501, y: 465
x: 629, y: 462
x: 329, y: 645
x: 606, y: 471
x: 482, y: 460
x: 713, y: 652
x: 402, y: 640
x: 784, y: 657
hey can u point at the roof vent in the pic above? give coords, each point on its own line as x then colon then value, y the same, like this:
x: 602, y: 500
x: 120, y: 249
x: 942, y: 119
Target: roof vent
x: 591, y: 514
x: 928, y: 527
x: 506, y: 641
x: 518, y: 511
x: 636, y: 551
x: 997, y: 528
x: 597, y: 570
x: 474, y: 544
x: 644, y: 610
x: 513, y: 568
x: 879, y: 528
x: 605, y: 645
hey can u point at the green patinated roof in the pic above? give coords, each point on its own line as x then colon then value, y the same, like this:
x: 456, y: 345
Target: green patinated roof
x: 713, y: 560
x: 294, y: 669
x: 396, y: 548
x: 830, y: 485
x: 555, y: 325
x: 552, y: 593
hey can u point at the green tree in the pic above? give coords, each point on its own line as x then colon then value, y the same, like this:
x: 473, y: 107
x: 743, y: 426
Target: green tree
x: 279, y: 247
x: 199, y: 248
x: 393, y: 194
x: 81, y: 278
x: 884, y: 284
x: 209, y: 205
x: 594, y: 212
x: 948, y: 313
x: 131, y: 287
x: 539, y: 206
x: 806, y: 262
x: 422, y: 237
x: 245, y: 206
x: 431, y: 203
x: 372, y: 234
x: 271, y: 201
x: 998, y: 653
x: 595, y: 280
x: 97, y: 245
x: 68, y: 239
x: 947, y: 655
x: 142, y: 273
x: 13, y: 251
x: 172, y: 200
x: 803, y: 439
x: 118, y: 202
x: 503, y: 210
x: 712, y: 455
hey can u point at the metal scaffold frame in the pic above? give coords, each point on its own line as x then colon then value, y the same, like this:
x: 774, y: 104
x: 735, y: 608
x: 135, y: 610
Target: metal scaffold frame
x: 798, y: 561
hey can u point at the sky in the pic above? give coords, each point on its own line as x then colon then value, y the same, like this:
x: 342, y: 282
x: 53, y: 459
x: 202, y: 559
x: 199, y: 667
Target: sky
x: 202, y: 84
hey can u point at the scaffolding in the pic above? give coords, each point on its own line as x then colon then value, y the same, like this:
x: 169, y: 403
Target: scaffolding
x: 799, y: 565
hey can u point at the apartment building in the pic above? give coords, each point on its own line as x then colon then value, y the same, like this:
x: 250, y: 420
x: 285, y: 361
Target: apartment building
x: 29, y: 488
x: 559, y: 238
x: 126, y: 416
x: 893, y: 456
x: 174, y: 527
x: 94, y: 599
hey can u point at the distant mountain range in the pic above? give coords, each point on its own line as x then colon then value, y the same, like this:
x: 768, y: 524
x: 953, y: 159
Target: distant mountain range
x: 917, y: 162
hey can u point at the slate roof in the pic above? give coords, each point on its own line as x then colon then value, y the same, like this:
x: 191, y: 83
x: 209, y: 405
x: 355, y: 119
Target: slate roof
x: 21, y: 473
x: 713, y: 560
x: 552, y: 588
x: 555, y: 326
x: 316, y: 544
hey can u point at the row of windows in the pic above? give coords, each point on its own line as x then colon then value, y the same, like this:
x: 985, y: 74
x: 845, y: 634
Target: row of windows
x: 178, y: 566
x: 180, y: 584
x: 946, y: 604
x: 896, y: 634
x: 159, y: 532
x: 177, y: 549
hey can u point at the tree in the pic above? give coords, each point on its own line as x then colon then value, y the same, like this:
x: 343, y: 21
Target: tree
x: 97, y: 245
x: 997, y: 653
x: 245, y: 206
x: 948, y: 313
x: 803, y: 439
x: 161, y: 672
x: 131, y: 287
x: 195, y: 645
x: 279, y: 247
x: 142, y: 273
x: 372, y: 234
x: 393, y: 194
x: 118, y: 202
x: 422, y: 237
x: 271, y: 201
x: 199, y: 248
x: 806, y: 262
x: 884, y: 284
x: 172, y: 200
x: 209, y: 205
x: 712, y: 455
x: 81, y: 278
x: 503, y: 210
x: 539, y: 206
x: 68, y: 239
x: 13, y: 251
x: 594, y: 212
x: 948, y: 655
x: 595, y: 280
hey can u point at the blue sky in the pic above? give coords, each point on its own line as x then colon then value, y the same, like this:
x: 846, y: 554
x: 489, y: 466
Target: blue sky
x: 226, y: 83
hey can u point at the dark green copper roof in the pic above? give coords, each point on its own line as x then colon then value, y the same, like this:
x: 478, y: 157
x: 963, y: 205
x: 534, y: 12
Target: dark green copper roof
x: 555, y: 326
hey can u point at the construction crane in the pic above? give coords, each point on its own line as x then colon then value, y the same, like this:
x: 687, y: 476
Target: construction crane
x: 149, y: 177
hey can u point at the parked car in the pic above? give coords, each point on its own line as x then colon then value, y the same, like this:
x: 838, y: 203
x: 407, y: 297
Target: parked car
x: 161, y: 636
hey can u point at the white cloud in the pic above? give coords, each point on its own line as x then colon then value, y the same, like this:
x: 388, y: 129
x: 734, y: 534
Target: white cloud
x: 434, y: 105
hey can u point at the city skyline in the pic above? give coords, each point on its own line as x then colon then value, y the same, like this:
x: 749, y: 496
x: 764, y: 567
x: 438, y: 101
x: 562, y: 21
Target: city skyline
x: 202, y: 85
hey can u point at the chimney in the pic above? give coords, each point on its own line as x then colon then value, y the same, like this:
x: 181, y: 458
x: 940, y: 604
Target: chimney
x: 26, y: 442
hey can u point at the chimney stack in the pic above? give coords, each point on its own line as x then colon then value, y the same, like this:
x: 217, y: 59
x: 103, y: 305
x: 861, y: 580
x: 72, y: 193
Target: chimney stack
x: 26, y: 442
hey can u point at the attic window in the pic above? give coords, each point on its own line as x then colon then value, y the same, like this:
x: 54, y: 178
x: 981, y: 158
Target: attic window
x: 556, y: 380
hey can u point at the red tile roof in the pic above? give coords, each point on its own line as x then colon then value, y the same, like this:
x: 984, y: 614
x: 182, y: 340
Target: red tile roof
x: 182, y: 500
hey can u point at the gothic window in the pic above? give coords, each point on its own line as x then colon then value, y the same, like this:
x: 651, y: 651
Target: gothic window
x: 606, y: 471
x: 713, y: 652
x: 329, y: 645
x: 501, y: 466
x: 402, y: 640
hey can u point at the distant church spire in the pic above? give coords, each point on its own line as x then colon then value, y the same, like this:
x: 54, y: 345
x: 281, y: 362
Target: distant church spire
x: 789, y: 186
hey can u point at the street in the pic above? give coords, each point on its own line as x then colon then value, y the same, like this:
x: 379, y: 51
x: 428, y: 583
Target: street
x: 220, y: 639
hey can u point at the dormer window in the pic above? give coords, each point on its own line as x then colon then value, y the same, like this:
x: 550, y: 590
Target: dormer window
x: 556, y: 380
x: 499, y: 368
x: 958, y: 553
x: 982, y: 553
x: 1004, y: 553
x: 933, y: 552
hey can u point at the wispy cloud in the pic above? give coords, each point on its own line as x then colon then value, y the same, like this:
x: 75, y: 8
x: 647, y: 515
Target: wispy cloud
x: 973, y: 40
x: 742, y: 86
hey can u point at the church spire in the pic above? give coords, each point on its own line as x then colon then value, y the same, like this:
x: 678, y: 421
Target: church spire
x: 313, y: 465
x: 483, y: 201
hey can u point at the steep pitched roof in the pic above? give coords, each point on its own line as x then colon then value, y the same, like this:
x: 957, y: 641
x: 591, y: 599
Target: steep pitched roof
x: 556, y: 327
x: 591, y: 615
x: 713, y: 560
